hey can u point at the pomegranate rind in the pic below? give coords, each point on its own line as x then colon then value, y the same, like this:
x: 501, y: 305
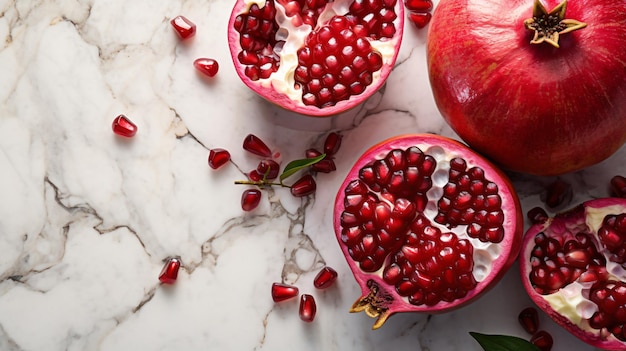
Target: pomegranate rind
x: 278, y: 98
x: 509, y: 246
x: 589, y: 212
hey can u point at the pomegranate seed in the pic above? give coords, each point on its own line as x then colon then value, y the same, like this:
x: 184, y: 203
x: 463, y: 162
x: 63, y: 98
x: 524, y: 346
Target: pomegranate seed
x: 218, y: 157
x: 325, y: 278
x: 332, y: 143
x: 618, y: 186
x: 420, y: 19
x: 250, y: 199
x: 268, y: 169
x: 324, y: 166
x: 543, y: 340
x: 184, y: 27
x: 418, y: 5
x: 169, y: 273
x: 529, y: 319
x: 307, y: 308
x: 124, y: 127
x: 255, y: 145
x: 304, y: 186
x: 206, y: 66
x: 282, y: 292
x: 537, y: 215
x: 557, y: 193
x: 255, y: 176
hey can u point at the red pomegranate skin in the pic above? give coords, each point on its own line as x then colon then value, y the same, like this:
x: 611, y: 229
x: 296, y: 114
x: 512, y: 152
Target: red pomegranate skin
x: 531, y: 108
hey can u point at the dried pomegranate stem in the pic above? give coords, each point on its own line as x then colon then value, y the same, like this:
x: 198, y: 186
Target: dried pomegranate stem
x: 260, y: 183
x: 548, y: 26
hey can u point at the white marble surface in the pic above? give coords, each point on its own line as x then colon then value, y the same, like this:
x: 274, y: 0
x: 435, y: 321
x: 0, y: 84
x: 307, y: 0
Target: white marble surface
x: 86, y: 218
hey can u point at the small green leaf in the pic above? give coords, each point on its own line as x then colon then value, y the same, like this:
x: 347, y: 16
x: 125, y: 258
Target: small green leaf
x: 296, y: 165
x: 503, y: 342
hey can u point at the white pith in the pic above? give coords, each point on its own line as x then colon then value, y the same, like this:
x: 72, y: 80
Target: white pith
x: 294, y: 36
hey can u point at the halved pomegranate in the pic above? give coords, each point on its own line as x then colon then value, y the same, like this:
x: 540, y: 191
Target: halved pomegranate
x: 426, y: 225
x: 315, y: 57
x: 573, y: 267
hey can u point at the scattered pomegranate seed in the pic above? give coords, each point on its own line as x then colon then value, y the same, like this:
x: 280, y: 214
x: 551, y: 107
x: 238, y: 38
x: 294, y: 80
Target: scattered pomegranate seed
x: 543, y: 340
x: 307, y: 308
x: 255, y: 145
x: 169, y: 273
x: 250, y: 199
x: 304, y: 186
x: 206, y: 66
x: 618, y: 186
x: 255, y: 176
x: 325, y: 278
x: 418, y: 5
x: 124, y: 127
x: 529, y: 319
x: 268, y: 168
x: 420, y: 19
x: 282, y: 292
x: 218, y: 157
x: 184, y: 27
x: 537, y: 215
x: 557, y: 193
x: 324, y: 166
x: 332, y: 143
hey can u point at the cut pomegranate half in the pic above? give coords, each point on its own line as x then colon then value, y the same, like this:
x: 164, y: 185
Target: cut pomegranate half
x: 426, y: 225
x: 317, y: 58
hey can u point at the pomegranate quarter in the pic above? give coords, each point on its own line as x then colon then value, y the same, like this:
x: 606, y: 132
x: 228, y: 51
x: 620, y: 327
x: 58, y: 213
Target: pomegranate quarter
x: 426, y: 225
x: 317, y: 58
x: 573, y: 267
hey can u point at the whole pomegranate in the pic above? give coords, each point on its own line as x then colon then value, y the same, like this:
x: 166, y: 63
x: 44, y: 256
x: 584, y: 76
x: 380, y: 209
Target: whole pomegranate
x: 426, y: 225
x: 573, y: 266
x: 537, y: 88
x: 315, y: 57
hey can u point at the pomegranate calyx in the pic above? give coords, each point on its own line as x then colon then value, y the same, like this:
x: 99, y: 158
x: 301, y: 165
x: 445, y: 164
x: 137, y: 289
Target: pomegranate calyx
x: 548, y: 26
x: 375, y: 304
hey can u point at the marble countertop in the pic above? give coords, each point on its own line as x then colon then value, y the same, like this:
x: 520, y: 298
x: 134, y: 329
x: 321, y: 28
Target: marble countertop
x: 87, y: 218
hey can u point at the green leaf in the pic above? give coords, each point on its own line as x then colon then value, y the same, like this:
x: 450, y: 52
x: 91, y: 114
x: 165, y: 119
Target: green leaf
x: 296, y: 165
x: 503, y: 342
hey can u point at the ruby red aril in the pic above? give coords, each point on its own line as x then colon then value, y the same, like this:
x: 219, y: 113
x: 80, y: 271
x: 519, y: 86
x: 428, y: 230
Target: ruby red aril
x: 169, y: 273
x: 304, y: 186
x: 250, y: 199
x: 308, y: 308
x: 618, y: 186
x: 282, y: 292
x: 255, y: 176
x: 426, y: 225
x: 183, y: 27
x: 255, y: 145
x: 543, y: 340
x: 418, y: 5
x: 206, y: 66
x: 420, y: 19
x: 332, y: 143
x: 537, y: 215
x: 218, y: 157
x: 324, y: 166
x: 268, y: 169
x: 529, y: 320
x: 557, y: 193
x: 325, y: 278
x: 124, y: 127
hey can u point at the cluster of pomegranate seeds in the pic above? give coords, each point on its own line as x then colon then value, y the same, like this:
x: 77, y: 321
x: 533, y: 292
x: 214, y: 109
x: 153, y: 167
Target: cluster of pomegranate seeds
x: 169, y: 273
x: 218, y: 157
x: 419, y: 12
x: 304, y: 11
x: 282, y: 292
x: 613, y: 236
x: 557, y: 193
x: 529, y: 320
x: 431, y: 266
x: 375, y: 16
x: 618, y: 186
x: 556, y: 264
x: 257, y: 29
x: 470, y: 199
x: 206, y: 66
x: 332, y: 143
x: 325, y: 278
x: 183, y: 27
x: 308, y: 308
x: 124, y: 127
x: 610, y: 296
x: 336, y: 62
